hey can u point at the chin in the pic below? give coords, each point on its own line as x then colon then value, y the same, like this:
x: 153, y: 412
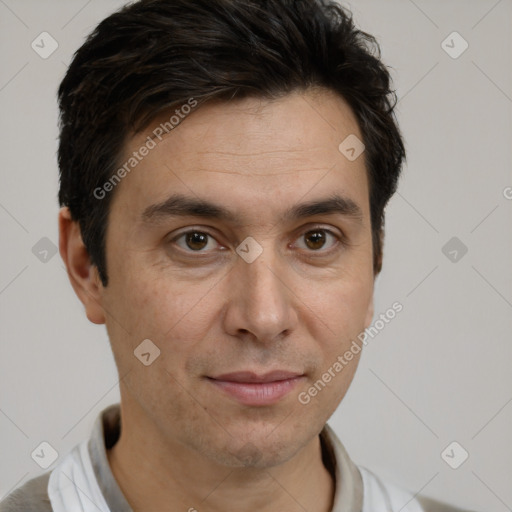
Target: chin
x: 262, y: 453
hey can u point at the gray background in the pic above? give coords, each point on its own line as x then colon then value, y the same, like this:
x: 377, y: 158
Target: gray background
x: 439, y: 372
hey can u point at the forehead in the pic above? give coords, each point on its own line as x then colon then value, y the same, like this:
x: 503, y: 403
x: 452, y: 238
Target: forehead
x: 248, y: 153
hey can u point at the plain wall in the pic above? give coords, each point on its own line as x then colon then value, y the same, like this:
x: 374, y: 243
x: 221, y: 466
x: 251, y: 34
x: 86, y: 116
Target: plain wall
x: 439, y: 372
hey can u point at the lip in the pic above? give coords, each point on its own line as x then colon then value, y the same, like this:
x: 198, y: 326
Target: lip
x: 250, y: 388
x: 253, y: 377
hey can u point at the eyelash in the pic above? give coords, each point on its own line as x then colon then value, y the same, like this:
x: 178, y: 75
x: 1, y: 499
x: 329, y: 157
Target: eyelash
x: 339, y: 241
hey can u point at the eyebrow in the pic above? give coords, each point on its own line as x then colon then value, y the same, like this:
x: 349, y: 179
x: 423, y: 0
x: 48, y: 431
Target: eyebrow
x: 179, y: 205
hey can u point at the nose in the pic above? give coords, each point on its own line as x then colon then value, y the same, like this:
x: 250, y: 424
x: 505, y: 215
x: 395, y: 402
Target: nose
x: 260, y: 303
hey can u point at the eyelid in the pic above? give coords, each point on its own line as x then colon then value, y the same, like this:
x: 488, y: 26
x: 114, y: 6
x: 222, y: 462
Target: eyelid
x: 194, y: 230
x: 339, y: 236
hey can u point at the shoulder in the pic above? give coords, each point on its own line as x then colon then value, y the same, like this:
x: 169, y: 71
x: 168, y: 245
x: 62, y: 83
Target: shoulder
x: 431, y: 505
x: 380, y: 495
x: 30, y: 497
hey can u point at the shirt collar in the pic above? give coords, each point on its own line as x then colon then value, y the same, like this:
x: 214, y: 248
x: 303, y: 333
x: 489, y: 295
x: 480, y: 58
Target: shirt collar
x: 105, y: 434
x: 348, y: 482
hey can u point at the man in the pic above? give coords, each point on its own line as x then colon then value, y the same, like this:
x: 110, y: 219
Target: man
x: 225, y: 165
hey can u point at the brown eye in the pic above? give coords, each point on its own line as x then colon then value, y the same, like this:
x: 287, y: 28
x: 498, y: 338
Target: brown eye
x: 315, y: 239
x: 195, y: 241
x: 318, y: 240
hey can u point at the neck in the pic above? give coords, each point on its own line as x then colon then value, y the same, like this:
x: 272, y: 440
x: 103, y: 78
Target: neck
x: 156, y: 474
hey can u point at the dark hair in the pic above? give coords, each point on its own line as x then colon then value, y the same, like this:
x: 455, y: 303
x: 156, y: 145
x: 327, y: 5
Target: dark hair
x: 154, y: 55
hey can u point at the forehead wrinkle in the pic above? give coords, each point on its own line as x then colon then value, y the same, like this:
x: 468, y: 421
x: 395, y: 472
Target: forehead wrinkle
x: 257, y: 153
x: 248, y: 173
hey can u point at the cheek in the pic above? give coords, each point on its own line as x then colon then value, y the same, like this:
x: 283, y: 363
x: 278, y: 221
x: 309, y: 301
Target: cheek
x: 342, y: 306
x: 342, y: 310
x: 174, y: 314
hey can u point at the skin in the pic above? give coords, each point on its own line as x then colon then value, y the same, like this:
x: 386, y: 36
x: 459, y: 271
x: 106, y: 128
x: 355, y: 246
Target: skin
x: 184, y: 443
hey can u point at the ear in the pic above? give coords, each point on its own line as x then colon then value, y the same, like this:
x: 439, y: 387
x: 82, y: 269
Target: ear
x: 82, y: 274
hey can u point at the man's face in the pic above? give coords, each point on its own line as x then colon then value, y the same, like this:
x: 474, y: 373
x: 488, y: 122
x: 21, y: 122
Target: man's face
x: 179, y: 281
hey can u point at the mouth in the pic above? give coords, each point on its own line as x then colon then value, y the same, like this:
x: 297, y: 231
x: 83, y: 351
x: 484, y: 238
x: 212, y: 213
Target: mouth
x: 250, y: 388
